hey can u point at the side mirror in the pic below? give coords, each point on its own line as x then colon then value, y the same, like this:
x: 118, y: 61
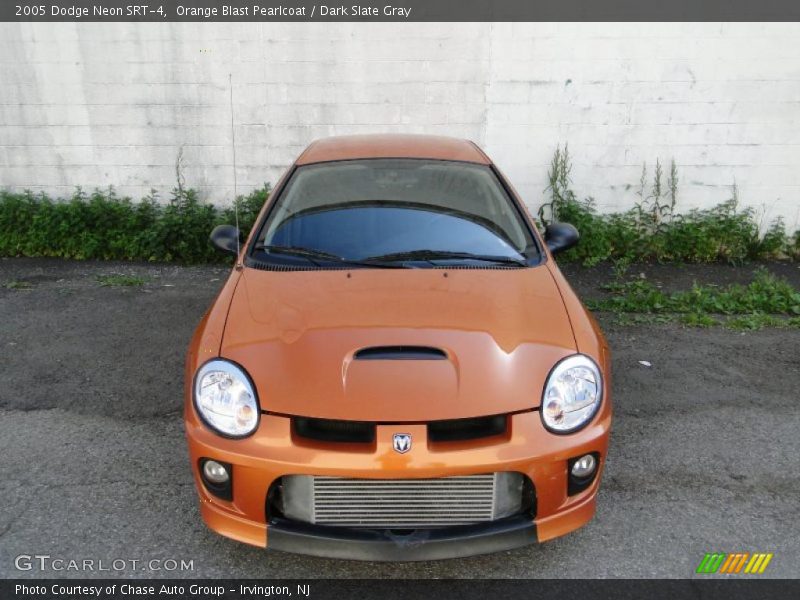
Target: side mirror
x: 560, y: 237
x: 225, y: 238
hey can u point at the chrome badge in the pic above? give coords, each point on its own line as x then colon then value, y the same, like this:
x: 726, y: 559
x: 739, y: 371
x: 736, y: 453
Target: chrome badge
x: 402, y: 442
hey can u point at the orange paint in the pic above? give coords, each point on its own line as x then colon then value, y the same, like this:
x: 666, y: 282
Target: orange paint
x: 295, y: 333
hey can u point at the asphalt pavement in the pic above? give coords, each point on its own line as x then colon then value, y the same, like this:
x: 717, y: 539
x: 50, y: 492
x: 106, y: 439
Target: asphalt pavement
x: 93, y: 462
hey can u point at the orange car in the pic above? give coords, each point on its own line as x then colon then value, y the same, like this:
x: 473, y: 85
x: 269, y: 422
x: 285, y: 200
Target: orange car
x: 396, y: 368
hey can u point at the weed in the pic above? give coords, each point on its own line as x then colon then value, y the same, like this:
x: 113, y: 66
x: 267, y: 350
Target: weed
x: 620, y: 267
x: 753, y: 322
x: 766, y: 301
x: 775, y: 242
x: 102, y: 225
x: 634, y: 319
x: 121, y: 280
x: 18, y: 285
x: 561, y: 194
x: 698, y: 320
x: 794, y: 246
x: 654, y: 231
x: 653, y: 211
x: 672, y: 184
x: 766, y: 294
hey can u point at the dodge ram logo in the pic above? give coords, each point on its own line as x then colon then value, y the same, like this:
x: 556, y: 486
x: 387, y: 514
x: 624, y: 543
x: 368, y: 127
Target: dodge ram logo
x: 402, y: 442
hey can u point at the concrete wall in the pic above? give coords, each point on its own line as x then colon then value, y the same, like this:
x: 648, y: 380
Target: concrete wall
x: 111, y: 104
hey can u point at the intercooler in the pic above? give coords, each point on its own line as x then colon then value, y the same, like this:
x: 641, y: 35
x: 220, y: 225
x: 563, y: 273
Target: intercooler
x: 402, y: 503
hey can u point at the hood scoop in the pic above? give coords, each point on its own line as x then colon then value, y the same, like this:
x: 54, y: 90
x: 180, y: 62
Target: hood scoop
x: 400, y: 353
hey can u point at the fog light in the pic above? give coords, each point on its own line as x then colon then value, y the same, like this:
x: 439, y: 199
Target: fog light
x: 584, y: 466
x: 215, y: 473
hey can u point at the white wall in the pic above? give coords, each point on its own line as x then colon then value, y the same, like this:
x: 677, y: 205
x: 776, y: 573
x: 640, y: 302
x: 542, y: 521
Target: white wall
x: 110, y: 104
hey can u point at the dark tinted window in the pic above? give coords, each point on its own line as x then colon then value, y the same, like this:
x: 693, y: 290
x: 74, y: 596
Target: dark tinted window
x: 369, y: 208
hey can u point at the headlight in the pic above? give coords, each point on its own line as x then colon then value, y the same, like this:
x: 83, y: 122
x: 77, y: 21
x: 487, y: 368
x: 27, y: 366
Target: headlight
x: 225, y: 398
x: 572, y: 394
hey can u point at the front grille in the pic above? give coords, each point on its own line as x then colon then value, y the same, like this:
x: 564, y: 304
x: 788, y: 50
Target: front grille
x: 328, y: 430
x: 359, y: 432
x: 404, y: 503
x: 456, y: 430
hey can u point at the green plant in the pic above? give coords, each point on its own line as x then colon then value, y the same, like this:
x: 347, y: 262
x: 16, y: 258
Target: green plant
x: 18, y: 285
x: 753, y: 322
x: 561, y: 194
x: 698, y: 320
x: 639, y: 319
x: 766, y: 294
x: 249, y: 206
x: 653, y: 210
x: 793, y: 248
x: 117, y: 280
x: 654, y: 231
x: 672, y: 184
x: 102, y: 225
x: 767, y: 301
x: 775, y: 241
x: 620, y: 267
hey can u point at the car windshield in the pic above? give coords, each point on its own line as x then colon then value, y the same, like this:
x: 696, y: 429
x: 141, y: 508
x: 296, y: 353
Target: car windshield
x: 391, y: 212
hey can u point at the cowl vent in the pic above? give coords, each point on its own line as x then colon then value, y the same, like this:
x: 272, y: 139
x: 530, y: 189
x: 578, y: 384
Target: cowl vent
x: 400, y: 353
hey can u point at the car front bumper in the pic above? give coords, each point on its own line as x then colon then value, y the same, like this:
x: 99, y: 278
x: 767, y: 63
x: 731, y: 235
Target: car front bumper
x: 275, y: 451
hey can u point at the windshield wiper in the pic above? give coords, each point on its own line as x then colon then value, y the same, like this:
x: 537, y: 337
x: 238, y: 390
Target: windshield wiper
x: 315, y: 256
x: 431, y: 255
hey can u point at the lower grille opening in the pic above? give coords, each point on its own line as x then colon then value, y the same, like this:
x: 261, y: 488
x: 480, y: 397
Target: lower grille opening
x: 456, y: 430
x: 401, y: 505
x: 328, y: 430
x: 360, y: 432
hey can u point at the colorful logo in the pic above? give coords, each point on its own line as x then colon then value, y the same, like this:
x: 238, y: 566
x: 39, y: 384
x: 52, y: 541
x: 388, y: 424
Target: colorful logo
x: 741, y: 562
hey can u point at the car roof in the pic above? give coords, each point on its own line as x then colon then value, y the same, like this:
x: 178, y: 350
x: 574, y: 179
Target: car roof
x: 351, y: 147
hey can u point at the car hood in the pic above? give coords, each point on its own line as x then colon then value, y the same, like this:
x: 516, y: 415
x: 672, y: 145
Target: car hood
x: 296, y: 333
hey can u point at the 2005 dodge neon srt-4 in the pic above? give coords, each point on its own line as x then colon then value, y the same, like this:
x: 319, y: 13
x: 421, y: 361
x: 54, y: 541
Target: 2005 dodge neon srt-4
x: 396, y: 368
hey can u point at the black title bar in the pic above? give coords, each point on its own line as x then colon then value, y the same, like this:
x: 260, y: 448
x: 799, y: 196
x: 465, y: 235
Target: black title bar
x: 398, y: 10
